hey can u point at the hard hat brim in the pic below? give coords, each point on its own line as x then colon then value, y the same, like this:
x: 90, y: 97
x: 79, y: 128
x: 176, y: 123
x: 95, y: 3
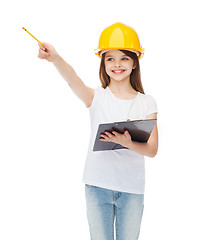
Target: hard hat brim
x: 99, y: 52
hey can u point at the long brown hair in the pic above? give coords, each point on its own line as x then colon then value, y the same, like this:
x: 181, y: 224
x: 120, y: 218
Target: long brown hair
x: 135, y: 76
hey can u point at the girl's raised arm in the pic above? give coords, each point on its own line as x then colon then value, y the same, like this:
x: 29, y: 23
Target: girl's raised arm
x: 49, y: 53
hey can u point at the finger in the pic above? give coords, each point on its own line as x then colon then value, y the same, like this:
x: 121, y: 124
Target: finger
x: 115, y: 133
x: 126, y: 133
x: 42, y: 47
x: 107, y: 139
x: 109, y: 134
x: 48, y: 47
x: 43, y: 53
x: 104, y: 136
x: 102, y: 139
x: 42, y: 57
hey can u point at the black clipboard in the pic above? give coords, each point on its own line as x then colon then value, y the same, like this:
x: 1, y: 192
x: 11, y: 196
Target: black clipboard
x: 140, y: 131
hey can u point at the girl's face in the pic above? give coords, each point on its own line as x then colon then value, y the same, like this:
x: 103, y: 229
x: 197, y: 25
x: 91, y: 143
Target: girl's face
x: 118, y: 65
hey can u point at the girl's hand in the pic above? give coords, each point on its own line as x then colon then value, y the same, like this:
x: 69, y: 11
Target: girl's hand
x: 47, y: 52
x: 122, y: 139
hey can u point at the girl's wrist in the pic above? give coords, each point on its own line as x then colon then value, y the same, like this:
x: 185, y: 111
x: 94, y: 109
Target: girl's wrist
x: 130, y: 145
x: 56, y: 59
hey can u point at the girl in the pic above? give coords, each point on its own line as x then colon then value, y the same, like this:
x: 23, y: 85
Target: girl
x: 114, y: 179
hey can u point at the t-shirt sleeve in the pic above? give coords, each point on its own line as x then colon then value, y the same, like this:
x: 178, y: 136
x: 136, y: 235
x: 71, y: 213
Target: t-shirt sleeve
x: 97, y: 93
x: 151, y: 105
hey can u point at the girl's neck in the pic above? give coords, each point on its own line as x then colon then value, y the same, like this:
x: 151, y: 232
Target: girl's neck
x: 122, y: 88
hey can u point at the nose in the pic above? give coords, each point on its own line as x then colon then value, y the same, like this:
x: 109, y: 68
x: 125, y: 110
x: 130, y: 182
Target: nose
x: 117, y: 64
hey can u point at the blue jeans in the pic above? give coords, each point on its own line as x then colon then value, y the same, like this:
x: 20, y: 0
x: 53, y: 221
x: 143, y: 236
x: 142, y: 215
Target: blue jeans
x: 107, y: 208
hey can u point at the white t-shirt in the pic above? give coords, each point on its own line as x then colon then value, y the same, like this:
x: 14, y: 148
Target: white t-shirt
x: 122, y: 169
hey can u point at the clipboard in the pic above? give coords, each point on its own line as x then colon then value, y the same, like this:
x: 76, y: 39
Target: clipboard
x: 140, y: 131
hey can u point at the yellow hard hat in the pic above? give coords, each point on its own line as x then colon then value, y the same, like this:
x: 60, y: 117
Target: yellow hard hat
x: 119, y: 36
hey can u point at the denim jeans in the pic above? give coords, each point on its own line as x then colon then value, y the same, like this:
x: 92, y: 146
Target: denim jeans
x: 110, y: 212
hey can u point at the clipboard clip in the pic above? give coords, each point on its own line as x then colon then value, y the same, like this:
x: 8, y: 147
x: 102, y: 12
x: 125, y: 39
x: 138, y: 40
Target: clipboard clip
x: 128, y: 120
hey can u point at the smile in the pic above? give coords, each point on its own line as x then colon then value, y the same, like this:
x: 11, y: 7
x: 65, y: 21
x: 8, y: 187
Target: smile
x: 118, y: 71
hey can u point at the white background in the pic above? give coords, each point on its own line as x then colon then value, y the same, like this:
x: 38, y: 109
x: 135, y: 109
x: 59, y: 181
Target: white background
x: 44, y: 127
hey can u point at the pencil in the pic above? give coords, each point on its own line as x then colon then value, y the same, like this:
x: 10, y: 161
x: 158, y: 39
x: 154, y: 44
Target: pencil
x: 32, y: 36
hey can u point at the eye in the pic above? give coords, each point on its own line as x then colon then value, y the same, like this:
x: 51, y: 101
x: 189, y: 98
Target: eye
x: 125, y: 58
x: 109, y: 59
